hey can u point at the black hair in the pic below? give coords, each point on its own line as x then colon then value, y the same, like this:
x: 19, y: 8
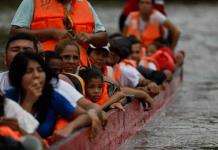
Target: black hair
x: 17, y: 70
x: 89, y: 73
x: 133, y: 39
x: 51, y: 55
x: 22, y: 36
x: 8, y: 143
x: 121, y: 47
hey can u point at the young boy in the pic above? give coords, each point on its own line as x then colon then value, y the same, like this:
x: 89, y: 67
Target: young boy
x: 95, y: 87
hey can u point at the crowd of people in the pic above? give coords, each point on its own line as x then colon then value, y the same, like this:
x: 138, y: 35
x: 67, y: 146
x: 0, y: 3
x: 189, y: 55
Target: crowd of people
x: 65, y: 71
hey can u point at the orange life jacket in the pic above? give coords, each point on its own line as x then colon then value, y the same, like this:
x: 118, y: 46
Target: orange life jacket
x: 109, y: 72
x: 117, y: 68
x: 6, y: 131
x: 164, y: 60
x: 104, y: 96
x: 150, y: 33
x: 52, y: 14
x: 145, y: 62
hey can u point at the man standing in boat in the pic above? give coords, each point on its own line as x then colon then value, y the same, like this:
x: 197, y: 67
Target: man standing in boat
x: 52, y: 20
x: 132, y: 5
x: 148, y: 25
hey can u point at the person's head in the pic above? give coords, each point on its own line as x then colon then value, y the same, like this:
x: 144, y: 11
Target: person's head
x: 156, y: 45
x: 54, y: 61
x: 120, y: 49
x: 94, y: 83
x: 145, y: 7
x: 18, y: 43
x: 70, y: 54
x: 98, y: 55
x: 136, y: 49
x: 29, y: 71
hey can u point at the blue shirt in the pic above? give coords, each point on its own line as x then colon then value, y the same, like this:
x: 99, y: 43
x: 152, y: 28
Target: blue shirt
x: 60, y: 106
x: 25, y: 11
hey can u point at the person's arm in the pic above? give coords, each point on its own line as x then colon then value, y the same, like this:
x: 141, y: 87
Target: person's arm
x: 99, y: 36
x: 117, y: 97
x: 141, y: 95
x: 81, y: 119
x: 174, y: 31
x: 42, y: 34
x: 93, y: 110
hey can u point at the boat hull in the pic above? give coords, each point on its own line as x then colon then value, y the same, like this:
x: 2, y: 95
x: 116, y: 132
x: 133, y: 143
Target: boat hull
x: 121, y: 126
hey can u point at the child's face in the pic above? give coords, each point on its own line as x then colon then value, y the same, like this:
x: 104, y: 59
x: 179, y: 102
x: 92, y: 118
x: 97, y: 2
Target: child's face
x: 151, y: 49
x: 56, y: 65
x: 136, y: 52
x: 94, y: 89
x: 71, y: 58
x: 98, y: 58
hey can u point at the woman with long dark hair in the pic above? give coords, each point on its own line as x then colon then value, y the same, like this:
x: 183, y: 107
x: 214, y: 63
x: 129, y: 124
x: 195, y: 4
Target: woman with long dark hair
x: 33, y: 84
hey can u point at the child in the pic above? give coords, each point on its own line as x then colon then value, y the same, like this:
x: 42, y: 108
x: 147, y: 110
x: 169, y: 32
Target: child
x: 94, y: 87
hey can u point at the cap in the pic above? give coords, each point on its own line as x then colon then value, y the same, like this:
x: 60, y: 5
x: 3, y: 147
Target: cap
x: 106, y: 47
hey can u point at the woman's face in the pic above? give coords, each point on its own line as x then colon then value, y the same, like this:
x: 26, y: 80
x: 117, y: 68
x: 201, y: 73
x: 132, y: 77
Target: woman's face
x: 71, y: 58
x: 94, y: 89
x: 34, y: 77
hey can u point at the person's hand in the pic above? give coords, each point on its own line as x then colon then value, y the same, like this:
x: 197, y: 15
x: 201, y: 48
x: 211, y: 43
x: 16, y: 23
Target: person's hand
x: 152, y: 89
x: 11, y: 123
x: 147, y: 103
x: 95, y: 122
x: 59, y: 34
x: 83, y: 37
x: 34, y: 91
x: 118, y: 106
x: 60, y: 134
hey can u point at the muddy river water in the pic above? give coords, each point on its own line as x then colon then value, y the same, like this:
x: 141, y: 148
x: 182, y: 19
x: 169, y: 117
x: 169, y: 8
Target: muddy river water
x: 191, y: 121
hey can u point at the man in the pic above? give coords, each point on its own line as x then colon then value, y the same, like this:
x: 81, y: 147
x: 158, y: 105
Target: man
x: 25, y: 42
x: 132, y: 5
x: 52, y: 20
x: 148, y: 25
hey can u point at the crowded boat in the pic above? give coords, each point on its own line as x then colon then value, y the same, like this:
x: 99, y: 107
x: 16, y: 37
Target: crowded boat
x: 66, y: 73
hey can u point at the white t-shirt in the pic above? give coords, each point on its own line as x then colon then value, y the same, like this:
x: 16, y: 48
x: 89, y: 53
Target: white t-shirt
x: 25, y: 120
x: 4, y: 81
x: 142, y: 24
x: 129, y: 76
x: 62, y: 87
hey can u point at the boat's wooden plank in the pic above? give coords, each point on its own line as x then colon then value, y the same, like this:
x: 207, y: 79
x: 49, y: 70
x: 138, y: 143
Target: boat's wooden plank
x: 121, y: 125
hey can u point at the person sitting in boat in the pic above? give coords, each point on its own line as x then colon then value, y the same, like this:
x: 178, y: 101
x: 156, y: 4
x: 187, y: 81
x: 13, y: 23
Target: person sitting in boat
x: 95, y: 88
x: 116, y: 55
x: 164, y: 56
x: 148, y: 25
x: 54, y: 61
x: 147, y: 66
x: 132, y: 5
x: 126, y: 72
x: 24, y: 42
x: 31, y: 79
x: 53, y: 20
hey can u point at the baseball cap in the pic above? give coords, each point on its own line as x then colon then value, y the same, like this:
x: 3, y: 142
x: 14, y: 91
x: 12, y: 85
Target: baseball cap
x: 92, y: 47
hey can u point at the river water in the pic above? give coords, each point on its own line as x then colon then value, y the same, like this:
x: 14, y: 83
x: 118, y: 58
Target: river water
x: 191, y: 121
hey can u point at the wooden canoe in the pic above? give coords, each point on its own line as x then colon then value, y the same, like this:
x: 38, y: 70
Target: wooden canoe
x: 121, y: 126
